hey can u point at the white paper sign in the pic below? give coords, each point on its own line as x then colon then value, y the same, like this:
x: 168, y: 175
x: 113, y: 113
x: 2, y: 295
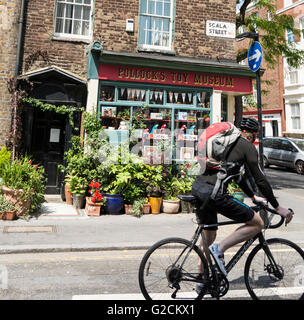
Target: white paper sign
x: 55, y: 135
x: 220, y: 29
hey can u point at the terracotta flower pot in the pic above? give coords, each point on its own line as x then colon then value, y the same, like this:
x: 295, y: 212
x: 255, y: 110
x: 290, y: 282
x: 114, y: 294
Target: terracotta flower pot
x: 16, y: 196
x: 171, y: 206
x: 129, y: 209
x: 155, y: 203
x: 91, y: 208
x: 146, y: 209
x: 9, y: 215
x: 68, y: 194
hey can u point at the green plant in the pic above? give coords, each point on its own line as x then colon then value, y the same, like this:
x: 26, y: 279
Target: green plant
x: 23, y: 174
x: 6, y: 205
x: 138, y: 206
x: 5, y: 157
x: 78, y: 185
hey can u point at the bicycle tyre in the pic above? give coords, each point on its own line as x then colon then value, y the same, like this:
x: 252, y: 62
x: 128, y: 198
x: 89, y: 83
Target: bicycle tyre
x: 156, y: 269
x: 260, y: 280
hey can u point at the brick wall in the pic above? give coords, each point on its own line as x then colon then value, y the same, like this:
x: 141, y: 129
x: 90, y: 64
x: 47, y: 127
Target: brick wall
x: 189, y: 36
x: 9, y: 13
x: 38, y: 38
x: 109, y: 28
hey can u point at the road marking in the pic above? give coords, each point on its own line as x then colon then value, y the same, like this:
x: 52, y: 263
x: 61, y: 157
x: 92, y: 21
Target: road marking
x: 232, y: 294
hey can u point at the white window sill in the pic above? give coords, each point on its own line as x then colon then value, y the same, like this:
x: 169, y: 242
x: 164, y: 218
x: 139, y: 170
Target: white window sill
x: 158, y: 50
x: 71, y: 39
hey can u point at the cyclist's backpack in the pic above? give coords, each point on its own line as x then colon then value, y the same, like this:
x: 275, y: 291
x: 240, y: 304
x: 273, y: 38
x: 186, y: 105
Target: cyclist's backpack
x: 215, y: 142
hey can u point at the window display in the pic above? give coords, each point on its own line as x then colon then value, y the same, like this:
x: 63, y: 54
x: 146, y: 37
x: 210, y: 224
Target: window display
x: 161, y: 117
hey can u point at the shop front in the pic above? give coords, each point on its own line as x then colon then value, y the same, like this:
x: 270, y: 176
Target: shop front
x: 164, y: 104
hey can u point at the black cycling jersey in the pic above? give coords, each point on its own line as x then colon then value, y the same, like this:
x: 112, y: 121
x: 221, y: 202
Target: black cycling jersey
x: 245, y: 153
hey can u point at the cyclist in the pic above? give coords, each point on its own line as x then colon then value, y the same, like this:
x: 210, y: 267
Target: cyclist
x: 244, y: 153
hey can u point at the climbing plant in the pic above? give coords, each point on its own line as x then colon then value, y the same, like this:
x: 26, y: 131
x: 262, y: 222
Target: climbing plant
x: 62, y: 109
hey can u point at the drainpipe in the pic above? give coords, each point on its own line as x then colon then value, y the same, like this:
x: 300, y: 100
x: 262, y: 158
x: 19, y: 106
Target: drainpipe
x: 20, y: 24
x: 18, y: 55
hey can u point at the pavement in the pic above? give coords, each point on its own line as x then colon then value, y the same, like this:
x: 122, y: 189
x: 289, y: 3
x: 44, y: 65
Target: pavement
x: 60, y: 227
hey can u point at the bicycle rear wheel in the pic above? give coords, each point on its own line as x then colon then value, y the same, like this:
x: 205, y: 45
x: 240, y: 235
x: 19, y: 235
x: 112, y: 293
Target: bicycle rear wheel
x: 164, y: 270
x: 265, y: 281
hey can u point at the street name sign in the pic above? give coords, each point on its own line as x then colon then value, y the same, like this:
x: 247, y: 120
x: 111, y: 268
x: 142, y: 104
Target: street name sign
x: 255, y: 55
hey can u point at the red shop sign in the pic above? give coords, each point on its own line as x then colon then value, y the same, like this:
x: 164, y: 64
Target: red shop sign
x: 178, y: 78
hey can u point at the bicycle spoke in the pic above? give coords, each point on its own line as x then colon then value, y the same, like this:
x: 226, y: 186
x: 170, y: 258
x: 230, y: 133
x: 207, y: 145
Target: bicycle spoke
x: 280, y: 280
x: 167, y: 269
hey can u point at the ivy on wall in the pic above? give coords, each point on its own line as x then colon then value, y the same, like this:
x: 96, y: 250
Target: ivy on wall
x: 63, y: 109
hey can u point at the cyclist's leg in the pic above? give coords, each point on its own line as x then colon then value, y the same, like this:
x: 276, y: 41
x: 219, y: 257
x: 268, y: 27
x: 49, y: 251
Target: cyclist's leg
x: 243, y: 233
x: 240, y: 212
x: 207, y: 216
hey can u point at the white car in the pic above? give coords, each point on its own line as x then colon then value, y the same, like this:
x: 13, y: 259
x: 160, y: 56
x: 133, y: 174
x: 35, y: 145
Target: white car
x: 284, y: 152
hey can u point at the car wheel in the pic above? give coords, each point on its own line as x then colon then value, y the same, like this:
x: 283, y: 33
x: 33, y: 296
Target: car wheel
x: 266, y: 163
x: 300, y: 167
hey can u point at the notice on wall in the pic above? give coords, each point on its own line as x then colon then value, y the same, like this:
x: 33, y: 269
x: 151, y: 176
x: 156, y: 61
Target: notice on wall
x: 55, y: 135
x: 220, y: 29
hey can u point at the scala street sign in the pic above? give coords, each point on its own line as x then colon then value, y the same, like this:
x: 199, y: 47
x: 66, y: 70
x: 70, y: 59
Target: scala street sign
x: 220, y: 29
x: 255, y: 54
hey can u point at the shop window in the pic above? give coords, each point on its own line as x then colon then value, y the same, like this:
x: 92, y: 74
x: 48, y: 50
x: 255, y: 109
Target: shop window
x: 203, y: 99
x: 179, y: 97
x: 156, y: 96
x: 155, y: 24
x: 73, y: 18
x: 131, y: 94
x: 107, y: 93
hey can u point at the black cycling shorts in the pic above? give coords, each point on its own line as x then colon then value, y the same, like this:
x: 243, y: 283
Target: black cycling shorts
x: 226, y: 205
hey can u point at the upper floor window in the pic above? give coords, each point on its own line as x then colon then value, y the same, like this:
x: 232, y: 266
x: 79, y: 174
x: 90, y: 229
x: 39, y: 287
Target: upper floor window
x: 287, y: 3
x: 302, y: 28
x: 155, y: 24
x: 295, y: 116
x: 290, y: 36
x: 73, y: 18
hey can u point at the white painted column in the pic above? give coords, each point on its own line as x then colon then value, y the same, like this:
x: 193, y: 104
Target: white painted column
x: 231, y: 108
x: 92, y: 97
x: 216, y: 106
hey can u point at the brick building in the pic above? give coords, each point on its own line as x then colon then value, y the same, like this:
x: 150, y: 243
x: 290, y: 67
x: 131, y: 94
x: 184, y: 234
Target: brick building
x: 9, y: 15
x: 174, y: 60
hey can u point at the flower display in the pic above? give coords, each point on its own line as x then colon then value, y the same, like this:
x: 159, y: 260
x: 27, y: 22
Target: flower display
x: 96, y: 193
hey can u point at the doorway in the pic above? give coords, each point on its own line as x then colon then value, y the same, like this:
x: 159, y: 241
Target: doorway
x: 47, y: 146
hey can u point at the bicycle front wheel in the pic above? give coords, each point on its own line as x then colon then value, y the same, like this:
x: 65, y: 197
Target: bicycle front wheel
x: 280, y: 278
x: 170, y: 270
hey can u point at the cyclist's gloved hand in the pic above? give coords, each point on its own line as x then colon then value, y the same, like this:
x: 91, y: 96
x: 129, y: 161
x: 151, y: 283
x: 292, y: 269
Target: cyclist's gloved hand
x: 284, y: 213
x: 256, y: 199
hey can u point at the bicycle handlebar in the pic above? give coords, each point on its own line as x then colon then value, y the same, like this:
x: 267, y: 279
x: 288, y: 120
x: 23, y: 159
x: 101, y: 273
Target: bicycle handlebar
x: 262, y: 205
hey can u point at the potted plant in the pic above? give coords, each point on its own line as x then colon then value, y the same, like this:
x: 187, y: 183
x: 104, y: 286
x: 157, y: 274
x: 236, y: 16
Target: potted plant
x: 7, y: 209
x: 155, y: 196
x: 96, y: 199
x: 23, y: 185
x: 234, y: 190
x: 171, y: 203
x: 78, y: 190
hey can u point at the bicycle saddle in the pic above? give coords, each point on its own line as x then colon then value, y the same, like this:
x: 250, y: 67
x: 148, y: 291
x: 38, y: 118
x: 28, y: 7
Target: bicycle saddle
x: 186, y: 198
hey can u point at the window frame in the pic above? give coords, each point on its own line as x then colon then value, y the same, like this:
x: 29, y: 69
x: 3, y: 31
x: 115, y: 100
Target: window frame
x: 151, y: 47
x: 295, y: 116
x: 72, y: 36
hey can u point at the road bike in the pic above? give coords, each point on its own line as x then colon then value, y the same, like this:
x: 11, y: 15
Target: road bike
x: 274, y: 269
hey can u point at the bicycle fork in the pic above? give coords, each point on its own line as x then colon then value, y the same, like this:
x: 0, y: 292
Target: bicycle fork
x: 272, y: 268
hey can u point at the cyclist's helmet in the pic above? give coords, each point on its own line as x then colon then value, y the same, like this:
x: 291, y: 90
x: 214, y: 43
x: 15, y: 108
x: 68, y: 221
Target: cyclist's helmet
x: 249, y: 124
